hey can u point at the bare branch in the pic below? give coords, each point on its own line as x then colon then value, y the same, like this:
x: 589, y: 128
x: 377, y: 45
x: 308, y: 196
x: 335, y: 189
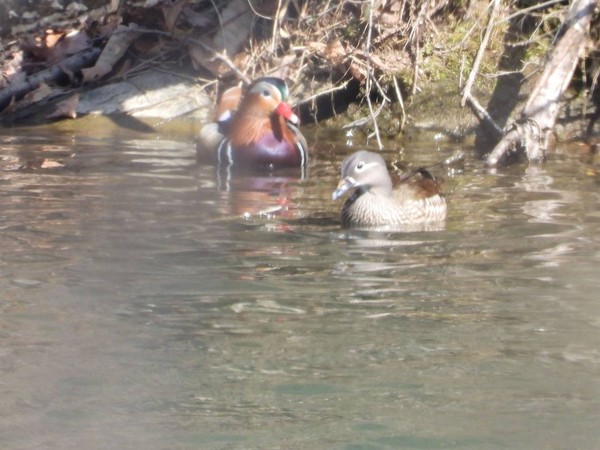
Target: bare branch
x: 480, y: 53
x: 370, y: 75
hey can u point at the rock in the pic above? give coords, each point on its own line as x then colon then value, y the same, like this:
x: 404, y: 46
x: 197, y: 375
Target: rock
x: 151, y: 94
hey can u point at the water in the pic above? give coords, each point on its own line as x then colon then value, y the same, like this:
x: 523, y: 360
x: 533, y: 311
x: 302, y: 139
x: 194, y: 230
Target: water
x: 142, y: 307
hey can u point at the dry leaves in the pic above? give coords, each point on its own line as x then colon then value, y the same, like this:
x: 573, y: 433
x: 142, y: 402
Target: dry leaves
x: 172, y: 13
x: 54, y: 46
x: 235, y: 21
x: 114, y: 50
x: 341, y: 59
x: 67, y: 108
x: 42, y: 91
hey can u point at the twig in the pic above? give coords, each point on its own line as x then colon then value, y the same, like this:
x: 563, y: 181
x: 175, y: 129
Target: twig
x: 263, y: 16
x: 415, y: 80
x: 326, y: 91
x: 483, y: 115
x: 399, y: 97
x: 522, y: 11
x: 462, y: 69
x: 275, y: 26
x: 381, y: 90
x: 594, y: 82
x: 364, y: 120
x: 369, y: 75
x: 219, y: 18
x: 480, y: 53
x: 414, y: 38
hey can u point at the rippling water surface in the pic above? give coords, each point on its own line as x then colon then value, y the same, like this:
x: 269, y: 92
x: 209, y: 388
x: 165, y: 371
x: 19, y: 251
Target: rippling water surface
x: 151, y: 302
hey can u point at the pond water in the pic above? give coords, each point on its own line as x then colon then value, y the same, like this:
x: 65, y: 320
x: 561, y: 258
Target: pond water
x: 151, y: 303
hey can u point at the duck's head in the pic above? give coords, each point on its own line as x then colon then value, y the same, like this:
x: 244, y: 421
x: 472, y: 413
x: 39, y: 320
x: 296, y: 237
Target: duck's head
x: 363, y: 170
x: 267, y: 96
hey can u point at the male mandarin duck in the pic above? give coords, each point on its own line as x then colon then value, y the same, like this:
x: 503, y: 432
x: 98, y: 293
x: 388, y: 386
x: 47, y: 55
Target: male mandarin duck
x: 416, y: 199
x: 256, y: 130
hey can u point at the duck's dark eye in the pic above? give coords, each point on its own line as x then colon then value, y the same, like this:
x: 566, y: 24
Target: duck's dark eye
x: 360, y: 166
x: 266, y: 93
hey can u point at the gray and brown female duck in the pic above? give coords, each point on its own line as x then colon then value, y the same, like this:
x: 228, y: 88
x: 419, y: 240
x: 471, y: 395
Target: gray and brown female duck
x: 376, y: 203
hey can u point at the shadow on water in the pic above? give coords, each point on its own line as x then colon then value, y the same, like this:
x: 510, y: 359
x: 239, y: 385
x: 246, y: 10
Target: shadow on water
x: 147, y: 304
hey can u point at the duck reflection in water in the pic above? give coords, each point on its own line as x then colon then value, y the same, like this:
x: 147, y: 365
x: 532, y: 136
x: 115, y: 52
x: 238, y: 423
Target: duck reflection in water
x: 250, y: 193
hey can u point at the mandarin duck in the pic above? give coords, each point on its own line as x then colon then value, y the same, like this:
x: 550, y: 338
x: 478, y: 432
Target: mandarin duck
x: 375, y: 202
x: 256, y: 130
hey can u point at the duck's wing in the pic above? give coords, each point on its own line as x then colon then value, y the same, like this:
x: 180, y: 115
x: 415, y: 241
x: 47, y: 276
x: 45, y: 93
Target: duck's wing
x: 228, y: 104
x: 417, y: 184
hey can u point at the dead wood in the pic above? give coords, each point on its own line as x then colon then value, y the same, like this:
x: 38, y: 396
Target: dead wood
x: 71, y: 64
x: 532, y: 132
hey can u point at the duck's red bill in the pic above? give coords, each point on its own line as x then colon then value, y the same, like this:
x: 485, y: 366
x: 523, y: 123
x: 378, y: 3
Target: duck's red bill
x: 285, y: 110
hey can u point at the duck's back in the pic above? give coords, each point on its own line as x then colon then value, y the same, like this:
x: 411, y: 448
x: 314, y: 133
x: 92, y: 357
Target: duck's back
x: 416, y: 202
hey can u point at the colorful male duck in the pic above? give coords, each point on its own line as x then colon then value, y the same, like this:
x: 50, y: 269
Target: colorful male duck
x: 375, y: 202
x: 256, y: 130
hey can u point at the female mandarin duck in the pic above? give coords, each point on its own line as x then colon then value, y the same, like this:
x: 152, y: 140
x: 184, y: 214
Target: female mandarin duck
x: 261, y: 132
x: 417, y: 199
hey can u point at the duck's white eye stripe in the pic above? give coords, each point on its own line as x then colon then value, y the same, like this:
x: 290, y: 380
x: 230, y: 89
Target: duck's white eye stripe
x: 361, y: 166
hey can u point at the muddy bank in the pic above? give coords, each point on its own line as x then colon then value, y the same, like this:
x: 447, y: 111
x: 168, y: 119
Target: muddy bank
x: 157, y: 60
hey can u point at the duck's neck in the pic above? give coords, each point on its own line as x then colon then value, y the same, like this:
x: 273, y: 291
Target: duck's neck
x: 383, y: 188
x: 247, y: 127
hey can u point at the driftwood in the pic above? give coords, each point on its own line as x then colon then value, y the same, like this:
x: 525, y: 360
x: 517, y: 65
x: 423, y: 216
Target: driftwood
x: 71, y: 64
x: 533, y: 130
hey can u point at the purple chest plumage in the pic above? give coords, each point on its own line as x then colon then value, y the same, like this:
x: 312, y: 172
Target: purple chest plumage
x: 266, y: 152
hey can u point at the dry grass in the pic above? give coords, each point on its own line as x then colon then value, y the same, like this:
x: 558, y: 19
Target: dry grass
x: 391, y: 48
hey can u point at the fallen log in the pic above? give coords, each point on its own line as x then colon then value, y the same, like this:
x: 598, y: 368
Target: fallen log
x: 73, y: 63
x: 532, y: 132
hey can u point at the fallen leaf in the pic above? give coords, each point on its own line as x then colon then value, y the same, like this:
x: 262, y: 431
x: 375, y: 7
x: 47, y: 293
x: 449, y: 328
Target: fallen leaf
x: 49, y: 164
x: 52, y: 38
x: 54, y: 46
x: 29, y: 15
x: 108, y: 27
x: 146, y: 44
x: 122, y: 67
x: 203, y: 58
x: 284, y: 66
x: 71, y: 43
x: 171, y: 13
x: 195, y: 19
x: 335, y: 52
x: 10, y: 107
x: 74, y: 8
x: 114, y: 50
x: 237, y: 20
x: 66, y: 108
x: 12, y: 67
x: 40, y: 93
x: 56, y: 5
